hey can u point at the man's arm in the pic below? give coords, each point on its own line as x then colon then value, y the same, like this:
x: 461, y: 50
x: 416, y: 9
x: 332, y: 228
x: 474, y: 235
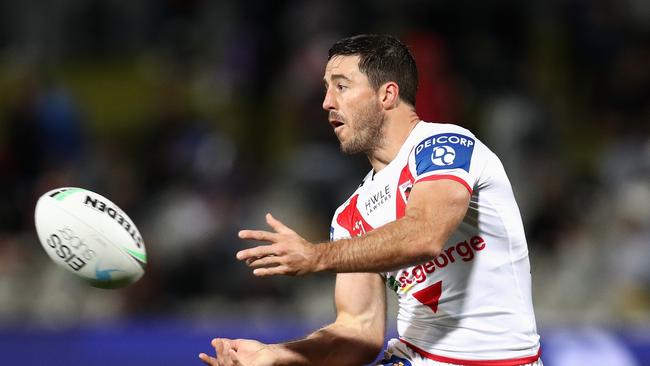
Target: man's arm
x: 434, y: 211
x: 355, y: 338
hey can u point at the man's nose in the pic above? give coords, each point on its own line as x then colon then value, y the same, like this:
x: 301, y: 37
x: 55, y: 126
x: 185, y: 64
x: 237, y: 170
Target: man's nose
x: 328, y: 102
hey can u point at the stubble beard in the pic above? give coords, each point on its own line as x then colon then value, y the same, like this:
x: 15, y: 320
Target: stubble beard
x: 368, y: 128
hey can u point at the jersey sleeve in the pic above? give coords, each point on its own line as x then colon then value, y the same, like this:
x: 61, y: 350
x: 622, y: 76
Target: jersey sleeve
x: 445, y: 154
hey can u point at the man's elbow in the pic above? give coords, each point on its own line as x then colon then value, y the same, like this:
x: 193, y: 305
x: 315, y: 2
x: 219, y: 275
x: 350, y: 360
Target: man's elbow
x: 427, y: 240
x: 370, y: 349
x: 361, y: 351
x: 372, y: 342
x: 426, y: 247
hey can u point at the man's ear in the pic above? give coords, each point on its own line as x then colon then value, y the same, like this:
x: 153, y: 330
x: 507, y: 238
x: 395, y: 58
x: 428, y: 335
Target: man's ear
x: 389, y: 95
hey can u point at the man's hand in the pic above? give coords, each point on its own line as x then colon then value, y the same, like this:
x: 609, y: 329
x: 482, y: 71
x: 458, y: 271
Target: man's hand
x: 287, y: 254
x: 240, y: 352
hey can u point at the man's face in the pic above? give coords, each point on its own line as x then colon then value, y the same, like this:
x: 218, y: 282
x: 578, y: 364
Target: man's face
x: 353, y: 105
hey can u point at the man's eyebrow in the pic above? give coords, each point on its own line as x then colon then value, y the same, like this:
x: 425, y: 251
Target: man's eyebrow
x: 337, y: 77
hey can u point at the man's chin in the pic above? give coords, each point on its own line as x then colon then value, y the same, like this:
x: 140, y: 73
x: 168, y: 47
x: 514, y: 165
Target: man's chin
x: 345, y: 145
x: 350, y: 149
x: 346, y: 151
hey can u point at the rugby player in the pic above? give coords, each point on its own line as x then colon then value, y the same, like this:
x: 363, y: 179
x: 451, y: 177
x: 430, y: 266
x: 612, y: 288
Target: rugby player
x: 434, y: 220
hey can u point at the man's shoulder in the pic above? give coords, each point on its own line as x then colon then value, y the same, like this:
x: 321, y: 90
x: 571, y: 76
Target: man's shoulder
x: 427, y: 129
x: 438, y: 132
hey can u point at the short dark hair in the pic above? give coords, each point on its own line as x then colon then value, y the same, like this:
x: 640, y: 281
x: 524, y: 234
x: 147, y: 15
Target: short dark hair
x: 383, y: 58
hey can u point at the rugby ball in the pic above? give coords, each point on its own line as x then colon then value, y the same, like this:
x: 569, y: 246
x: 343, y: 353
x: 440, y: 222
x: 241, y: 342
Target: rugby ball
x: 90, y: 236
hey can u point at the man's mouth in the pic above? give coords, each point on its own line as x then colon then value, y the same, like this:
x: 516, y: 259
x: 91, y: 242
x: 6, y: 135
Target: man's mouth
x: 336, y: 123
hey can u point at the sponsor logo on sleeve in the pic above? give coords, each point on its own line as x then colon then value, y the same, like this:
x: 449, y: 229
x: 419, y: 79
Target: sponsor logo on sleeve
x: 444, y: 151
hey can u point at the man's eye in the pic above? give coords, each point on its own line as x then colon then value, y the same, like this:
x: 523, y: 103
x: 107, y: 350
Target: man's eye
x: 341, y: 87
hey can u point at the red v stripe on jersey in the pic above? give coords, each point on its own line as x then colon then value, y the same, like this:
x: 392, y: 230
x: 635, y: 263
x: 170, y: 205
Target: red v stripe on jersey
x: 350, y: 219
x: 404, y: 185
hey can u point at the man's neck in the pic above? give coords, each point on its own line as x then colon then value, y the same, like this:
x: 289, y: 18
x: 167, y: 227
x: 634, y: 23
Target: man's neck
x: 396, y: 130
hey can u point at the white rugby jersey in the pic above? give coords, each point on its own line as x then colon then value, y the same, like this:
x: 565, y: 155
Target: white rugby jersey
x: 473, y: 301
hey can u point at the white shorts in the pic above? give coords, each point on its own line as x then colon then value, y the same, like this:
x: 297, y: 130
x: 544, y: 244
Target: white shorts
x: 399, y: 354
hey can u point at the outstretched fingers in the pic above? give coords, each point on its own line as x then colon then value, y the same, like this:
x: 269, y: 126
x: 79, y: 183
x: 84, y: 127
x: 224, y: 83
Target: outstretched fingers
x: 264, y: 262
x: 217, y: 344
x: 251, y: 254
x: 274, y: 271
x: 208, y: 360
x: 277, y: 225
x: 260, y: 235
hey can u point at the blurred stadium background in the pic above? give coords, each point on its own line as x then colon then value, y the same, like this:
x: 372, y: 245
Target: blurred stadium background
x: 197, y: 117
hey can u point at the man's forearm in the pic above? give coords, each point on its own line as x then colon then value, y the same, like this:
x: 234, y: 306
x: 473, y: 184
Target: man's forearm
x: 333, y: 345
x: 433, y: 213
x: 397, y: 244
